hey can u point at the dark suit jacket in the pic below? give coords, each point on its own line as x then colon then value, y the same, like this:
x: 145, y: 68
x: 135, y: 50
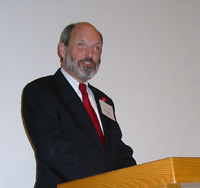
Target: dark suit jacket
x: 66, y: 144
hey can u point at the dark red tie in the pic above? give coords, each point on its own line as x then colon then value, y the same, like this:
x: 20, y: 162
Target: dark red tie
x: 91, y: 112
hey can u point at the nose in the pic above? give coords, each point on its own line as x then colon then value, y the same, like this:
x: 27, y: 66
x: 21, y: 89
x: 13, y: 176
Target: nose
x: 89, y: 52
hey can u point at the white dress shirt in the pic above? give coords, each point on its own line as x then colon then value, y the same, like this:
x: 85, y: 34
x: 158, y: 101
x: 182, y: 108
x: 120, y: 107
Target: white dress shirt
x: 91, y: 97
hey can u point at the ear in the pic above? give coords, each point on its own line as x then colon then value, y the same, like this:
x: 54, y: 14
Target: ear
x: 61, y: 50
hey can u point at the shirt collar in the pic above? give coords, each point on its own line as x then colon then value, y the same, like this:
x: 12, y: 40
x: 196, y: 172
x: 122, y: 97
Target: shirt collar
x: 74, y: 83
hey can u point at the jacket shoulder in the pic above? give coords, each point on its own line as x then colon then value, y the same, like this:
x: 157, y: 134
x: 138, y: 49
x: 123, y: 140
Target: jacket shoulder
x: 47, y: 82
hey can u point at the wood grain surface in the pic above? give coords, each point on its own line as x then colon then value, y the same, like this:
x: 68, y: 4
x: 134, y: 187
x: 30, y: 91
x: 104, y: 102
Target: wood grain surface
x: 165, y: 172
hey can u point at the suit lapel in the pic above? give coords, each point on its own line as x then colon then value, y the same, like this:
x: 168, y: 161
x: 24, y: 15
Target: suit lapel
x: 75, y: 105
x: 105, y: 120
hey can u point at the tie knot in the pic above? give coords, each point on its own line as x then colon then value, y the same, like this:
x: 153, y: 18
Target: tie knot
x: 82, y: 88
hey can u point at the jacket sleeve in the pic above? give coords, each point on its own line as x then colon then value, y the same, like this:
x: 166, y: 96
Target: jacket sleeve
x: 41, y: 120
x: 125, y: 152
x: 125, y: 156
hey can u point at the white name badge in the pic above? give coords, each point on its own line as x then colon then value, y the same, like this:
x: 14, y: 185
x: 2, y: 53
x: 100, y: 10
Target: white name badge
x: 107, y: 110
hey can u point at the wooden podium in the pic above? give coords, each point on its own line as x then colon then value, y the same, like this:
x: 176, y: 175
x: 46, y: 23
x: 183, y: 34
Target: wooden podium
x: 165, y: 173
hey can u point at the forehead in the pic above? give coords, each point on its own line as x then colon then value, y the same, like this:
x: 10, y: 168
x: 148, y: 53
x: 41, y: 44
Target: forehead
x: 85, y: 32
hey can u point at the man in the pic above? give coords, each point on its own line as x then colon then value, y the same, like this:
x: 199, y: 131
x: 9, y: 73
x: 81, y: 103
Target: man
x: 69, y: 142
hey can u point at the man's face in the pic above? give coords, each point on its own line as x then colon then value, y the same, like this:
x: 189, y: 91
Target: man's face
x: 83, y: 54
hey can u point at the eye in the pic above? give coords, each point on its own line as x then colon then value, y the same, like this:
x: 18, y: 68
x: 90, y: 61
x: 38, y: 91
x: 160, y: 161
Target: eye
x: 81, y: 44
x: 96, y: 48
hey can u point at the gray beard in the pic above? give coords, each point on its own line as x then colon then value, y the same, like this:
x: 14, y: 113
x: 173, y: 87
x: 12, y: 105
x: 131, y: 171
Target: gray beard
x: 86, y: 73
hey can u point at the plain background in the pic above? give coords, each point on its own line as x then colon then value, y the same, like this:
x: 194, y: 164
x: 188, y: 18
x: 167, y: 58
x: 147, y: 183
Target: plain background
x: 150, y: 67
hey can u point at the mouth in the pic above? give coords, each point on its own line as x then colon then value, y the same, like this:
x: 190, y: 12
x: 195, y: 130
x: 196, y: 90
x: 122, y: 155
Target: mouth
x: 87, y: 63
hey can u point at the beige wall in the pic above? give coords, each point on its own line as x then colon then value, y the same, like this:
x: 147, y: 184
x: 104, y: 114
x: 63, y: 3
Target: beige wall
x: 151, y: 52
